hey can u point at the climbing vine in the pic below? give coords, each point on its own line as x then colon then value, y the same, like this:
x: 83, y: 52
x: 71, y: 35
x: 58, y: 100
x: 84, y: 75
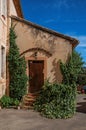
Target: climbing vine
x: 59, y: 100
x: 72, y: 69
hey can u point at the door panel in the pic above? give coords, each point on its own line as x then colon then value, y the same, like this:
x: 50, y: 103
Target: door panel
x: 36, y: 75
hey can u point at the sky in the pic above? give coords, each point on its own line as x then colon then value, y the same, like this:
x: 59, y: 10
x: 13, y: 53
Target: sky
x: 64, y: 16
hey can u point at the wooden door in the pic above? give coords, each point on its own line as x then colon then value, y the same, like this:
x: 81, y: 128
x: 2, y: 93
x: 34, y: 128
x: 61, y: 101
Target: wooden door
x: 36, y: 75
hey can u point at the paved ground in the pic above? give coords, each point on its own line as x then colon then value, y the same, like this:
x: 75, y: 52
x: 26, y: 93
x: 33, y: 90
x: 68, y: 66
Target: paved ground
x: 11, y: 119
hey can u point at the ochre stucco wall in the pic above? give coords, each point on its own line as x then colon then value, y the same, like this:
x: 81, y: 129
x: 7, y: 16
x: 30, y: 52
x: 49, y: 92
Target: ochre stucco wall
x: 32, y: 37
x: 3, y: 39
x: 5, y: 24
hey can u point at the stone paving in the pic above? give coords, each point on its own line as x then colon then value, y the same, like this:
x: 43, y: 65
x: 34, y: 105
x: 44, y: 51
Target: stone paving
x: 12, y: 119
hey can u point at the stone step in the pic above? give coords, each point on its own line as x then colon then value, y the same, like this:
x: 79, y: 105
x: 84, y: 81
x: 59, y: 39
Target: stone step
x: 33, y: 94
x: 28, y: 100
x: 30, y: 95
x: 28, y: 103
x: 27, y: 107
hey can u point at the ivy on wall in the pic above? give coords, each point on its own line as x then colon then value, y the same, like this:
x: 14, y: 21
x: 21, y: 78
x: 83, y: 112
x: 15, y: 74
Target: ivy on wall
x: 59, y: 100
x: 72, y: 69
x: 17, y: 69
x: 56, y: 101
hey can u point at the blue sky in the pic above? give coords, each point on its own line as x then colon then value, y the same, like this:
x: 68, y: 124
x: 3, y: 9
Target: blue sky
x: 64, y: 16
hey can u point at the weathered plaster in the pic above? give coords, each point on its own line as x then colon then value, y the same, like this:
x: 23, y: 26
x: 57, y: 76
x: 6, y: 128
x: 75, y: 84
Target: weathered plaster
x: 5, y: 24
x: 60, y: 48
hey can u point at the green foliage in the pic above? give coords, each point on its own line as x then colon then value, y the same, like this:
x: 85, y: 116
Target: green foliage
x: 6, y: 101
x: 71, y: 70
x: 82, y: 77
x: 16, y: 102
x: 56, y: 100
x: 17, y: 69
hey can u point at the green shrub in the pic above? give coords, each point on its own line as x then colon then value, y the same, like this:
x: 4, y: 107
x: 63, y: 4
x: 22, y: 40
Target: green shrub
x: 6, y: 102
x: 56, y: 101
x: 72, y: 68
x: 59, y: 100
x: 17, y: 69
x: 16, y: 102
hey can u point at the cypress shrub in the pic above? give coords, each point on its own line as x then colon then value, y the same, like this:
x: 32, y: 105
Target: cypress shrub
x: 17, y: 69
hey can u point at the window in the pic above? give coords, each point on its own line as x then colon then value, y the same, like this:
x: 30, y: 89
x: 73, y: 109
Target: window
x: 3, y: 4
x: 2, y: 61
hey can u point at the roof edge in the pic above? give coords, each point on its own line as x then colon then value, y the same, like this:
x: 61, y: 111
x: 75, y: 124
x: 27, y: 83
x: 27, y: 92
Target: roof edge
x: 18, y: 8
x: 73, y: 41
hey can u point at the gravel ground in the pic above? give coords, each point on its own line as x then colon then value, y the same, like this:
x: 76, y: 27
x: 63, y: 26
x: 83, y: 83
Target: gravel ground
x: 12, y: 119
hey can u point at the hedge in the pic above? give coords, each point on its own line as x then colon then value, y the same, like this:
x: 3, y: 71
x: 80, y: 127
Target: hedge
x: 56, y: 101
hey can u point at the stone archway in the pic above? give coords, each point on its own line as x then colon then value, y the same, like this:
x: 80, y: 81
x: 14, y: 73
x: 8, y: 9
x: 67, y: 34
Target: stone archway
x: 36, y: 50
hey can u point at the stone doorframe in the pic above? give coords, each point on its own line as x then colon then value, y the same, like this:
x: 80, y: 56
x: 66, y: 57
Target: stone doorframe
x: 38, y: 59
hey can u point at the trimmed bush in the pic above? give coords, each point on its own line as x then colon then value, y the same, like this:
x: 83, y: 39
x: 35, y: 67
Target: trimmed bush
x: 56, y: 101
x: 59, y: 100
x: 7, y: 102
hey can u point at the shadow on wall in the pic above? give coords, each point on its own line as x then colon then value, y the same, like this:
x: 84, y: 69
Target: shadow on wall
x: 57, y: 76
x: 43, y: 39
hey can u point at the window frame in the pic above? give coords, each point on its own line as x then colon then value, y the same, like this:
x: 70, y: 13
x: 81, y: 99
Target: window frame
x: 2, y: 74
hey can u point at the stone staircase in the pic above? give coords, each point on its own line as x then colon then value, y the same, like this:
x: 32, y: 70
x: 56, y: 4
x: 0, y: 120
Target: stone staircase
x: 28, y: 100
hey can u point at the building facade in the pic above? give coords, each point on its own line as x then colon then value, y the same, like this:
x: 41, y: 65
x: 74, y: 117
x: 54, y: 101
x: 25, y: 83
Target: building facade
x: 7, y: 8
x: 41, y: 47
